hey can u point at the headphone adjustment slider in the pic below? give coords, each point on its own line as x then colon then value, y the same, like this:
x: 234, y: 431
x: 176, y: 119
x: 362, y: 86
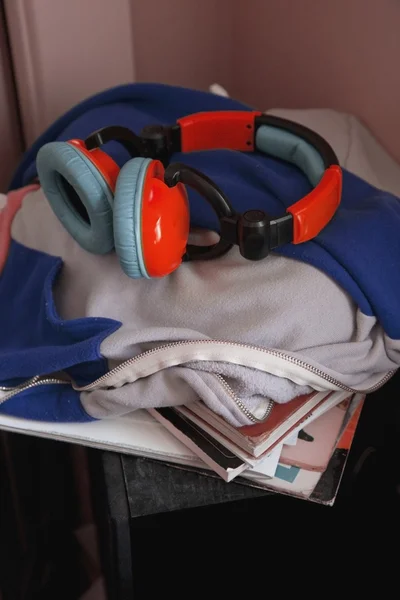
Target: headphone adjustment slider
x: 254, y: 235
x: 250, y: 231
x: 160, y: 142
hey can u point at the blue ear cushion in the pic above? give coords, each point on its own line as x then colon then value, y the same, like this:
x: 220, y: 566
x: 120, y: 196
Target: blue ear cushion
x: 78, y: 195
x: 289, y: 147
x: 128, y: 217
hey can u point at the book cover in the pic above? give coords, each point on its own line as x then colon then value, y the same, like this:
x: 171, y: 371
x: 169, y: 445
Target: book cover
x: 316, y: 441
x: 310, y: 485
x: 215, y: 455
x: 283, y: 419
x: 303, y: 483
x: 291, y: 436
x: 229, y: 460
x: 326, y: 490
x: 279, y: 414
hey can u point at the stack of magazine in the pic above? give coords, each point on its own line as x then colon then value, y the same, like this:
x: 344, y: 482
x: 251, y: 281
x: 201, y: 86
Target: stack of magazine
x: 300, y: 449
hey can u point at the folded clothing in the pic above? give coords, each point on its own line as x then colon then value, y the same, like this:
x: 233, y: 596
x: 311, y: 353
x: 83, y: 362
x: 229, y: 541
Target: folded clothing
x: 319, y: 315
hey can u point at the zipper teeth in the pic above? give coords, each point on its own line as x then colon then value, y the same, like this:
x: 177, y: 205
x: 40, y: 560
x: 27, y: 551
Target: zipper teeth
x: 34, y: 382
x: 241, y: 404
x: 276, y: 353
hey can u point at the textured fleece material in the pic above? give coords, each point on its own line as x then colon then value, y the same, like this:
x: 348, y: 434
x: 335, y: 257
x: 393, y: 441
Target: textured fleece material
x: 328, y: 302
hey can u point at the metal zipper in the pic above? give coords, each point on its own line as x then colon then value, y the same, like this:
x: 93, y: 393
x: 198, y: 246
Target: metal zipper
x: 241, y: 404
x: 36, y: 381
x: 291, y: 359
x: 31, y: 383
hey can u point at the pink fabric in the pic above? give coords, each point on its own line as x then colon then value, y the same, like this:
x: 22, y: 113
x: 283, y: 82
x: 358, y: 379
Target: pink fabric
x: 14, y: 202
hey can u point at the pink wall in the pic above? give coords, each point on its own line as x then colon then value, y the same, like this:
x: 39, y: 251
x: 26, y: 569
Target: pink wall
x: 269, y: 53
x: 183, y: 42
x: 280, y: 53
x: 66, y: 51
x: 11, y: 145
x: 311, y: 54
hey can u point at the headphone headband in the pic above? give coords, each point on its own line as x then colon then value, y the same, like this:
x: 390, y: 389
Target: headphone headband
x: 245, y: 131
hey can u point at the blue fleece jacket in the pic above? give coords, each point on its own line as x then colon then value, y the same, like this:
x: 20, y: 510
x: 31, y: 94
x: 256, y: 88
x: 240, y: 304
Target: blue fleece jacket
x: 359, y: 248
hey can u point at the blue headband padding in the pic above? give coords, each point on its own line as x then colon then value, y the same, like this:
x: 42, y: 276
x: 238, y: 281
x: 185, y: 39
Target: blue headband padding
x: 293, y: 149
x: 58, y: 162
x: 128, y: 217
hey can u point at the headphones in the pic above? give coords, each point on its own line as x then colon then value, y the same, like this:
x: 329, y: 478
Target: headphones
x: 142, y: 209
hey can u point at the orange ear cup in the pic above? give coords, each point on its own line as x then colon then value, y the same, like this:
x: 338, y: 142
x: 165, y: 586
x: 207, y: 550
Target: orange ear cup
x: 102, y: 161
x: 165, y: 223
